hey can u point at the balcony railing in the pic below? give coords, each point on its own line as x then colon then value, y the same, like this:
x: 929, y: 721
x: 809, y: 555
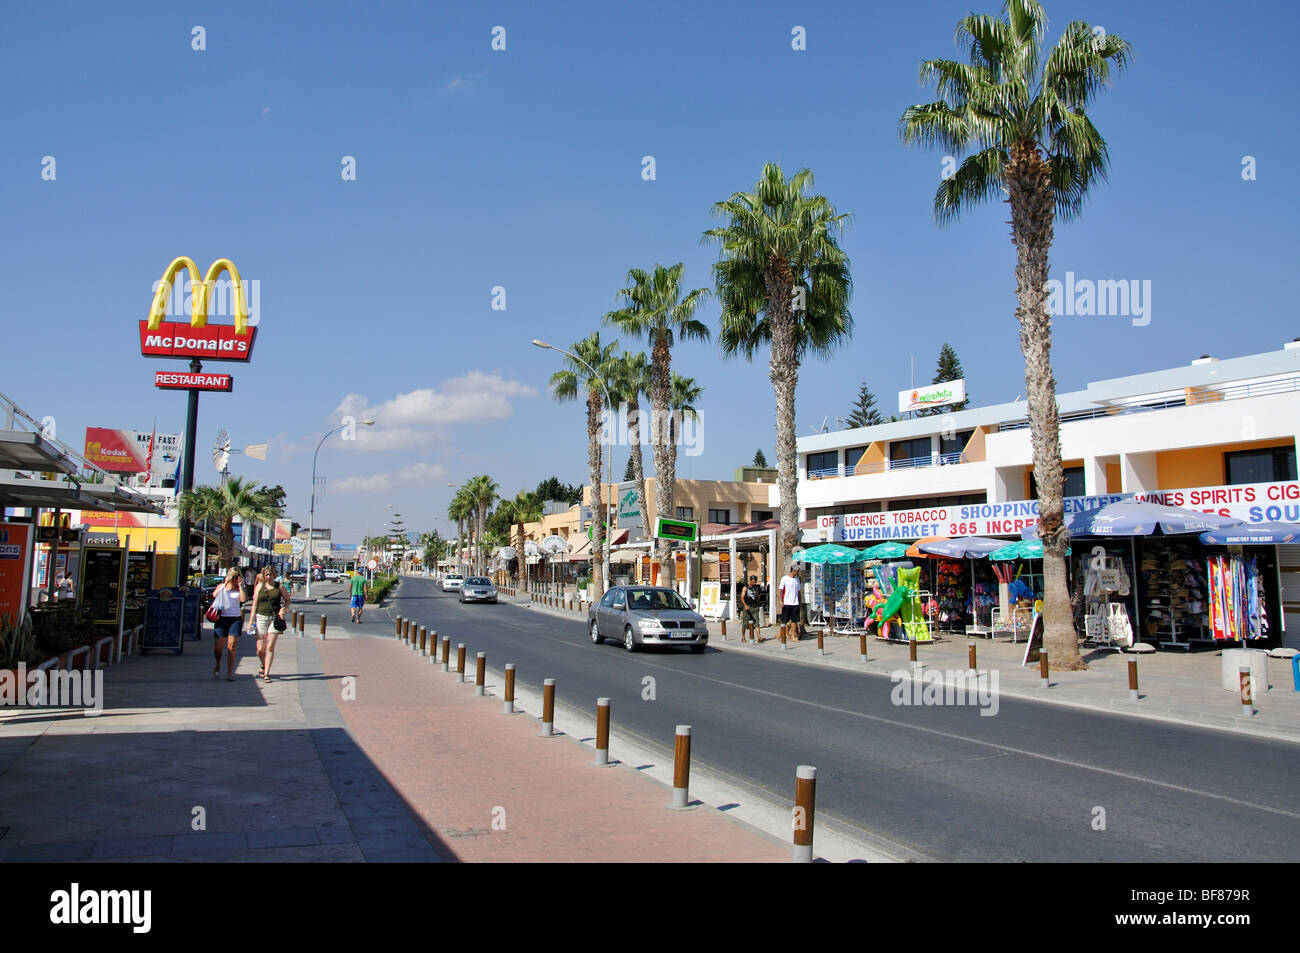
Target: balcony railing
x: 905, y: 463
x: 1192, y: 396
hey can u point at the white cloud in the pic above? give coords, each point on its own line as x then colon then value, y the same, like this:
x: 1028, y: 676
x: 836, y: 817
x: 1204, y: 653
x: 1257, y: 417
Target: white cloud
x: 377, y: 483
x: 411, y: 419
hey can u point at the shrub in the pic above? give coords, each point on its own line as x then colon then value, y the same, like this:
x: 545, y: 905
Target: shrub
x: 381, y: 587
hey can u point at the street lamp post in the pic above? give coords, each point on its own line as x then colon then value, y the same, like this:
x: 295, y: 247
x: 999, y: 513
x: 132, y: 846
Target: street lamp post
x: 609, y: 403
x: 311, y: 520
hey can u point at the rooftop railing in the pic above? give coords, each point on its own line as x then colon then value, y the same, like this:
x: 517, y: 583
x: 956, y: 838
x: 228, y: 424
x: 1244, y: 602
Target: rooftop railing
x: 906, y: 463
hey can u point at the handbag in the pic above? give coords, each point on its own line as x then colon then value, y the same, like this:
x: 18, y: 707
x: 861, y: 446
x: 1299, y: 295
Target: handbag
x: 213, y: 614
x: 280, y: 624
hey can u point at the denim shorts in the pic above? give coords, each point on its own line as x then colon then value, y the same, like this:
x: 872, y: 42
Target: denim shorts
x: 227, y: 626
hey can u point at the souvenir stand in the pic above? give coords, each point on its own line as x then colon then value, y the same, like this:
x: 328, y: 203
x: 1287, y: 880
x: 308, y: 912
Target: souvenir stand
x: 838, y: 587
x: 952, y: 593
x: 1105, y: 596
x: 1243, y: 582
x: 1019, y: 588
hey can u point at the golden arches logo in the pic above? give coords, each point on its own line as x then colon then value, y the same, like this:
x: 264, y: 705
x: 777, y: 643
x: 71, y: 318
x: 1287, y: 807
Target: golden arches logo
x: 202, y: 292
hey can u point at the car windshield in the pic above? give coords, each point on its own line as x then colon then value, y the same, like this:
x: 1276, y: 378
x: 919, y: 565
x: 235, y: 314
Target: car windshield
x: 650, y: 600
x: 478, y: 581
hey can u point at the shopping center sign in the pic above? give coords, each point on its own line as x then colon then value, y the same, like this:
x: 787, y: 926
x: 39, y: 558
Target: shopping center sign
x: 1250, y: 503
x: 162, y: 338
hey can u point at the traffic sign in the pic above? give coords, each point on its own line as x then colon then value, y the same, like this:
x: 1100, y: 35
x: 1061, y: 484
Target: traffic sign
x: 372, y: 565
x: 680, y: 530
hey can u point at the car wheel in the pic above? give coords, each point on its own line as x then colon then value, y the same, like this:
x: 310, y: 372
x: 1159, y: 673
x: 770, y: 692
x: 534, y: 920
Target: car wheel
x: 595, y: 633
x: 629, y: 640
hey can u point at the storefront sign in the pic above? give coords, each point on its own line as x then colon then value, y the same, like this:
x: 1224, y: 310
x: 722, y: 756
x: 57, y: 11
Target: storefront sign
x: 710, y: 600
x: 283, y: 549
x: 15, y: 539
x: 161, y: 338
x: 127, y: 451
x: 1250, y: 503
x: 164, y: 611
x: 629, y: 511
x: 680, y: 530
x: 932, y: 395
x: 645, y: 570
x: 101, y: 584
x: 724, y: 568
x: 188, y: 380
x: 139, y: 577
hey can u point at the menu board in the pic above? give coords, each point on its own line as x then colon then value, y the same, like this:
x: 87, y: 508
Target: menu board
x: 139, y: 577
x: 190, y: 620
x: 164, y: 611
x: 101, y: 584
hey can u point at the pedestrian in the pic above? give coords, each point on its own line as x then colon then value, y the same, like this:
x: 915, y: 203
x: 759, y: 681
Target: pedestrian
x: 250, y: 579
x: 285, y: 582
x: 747, y: 595
x: 269, y: 604
x: 228, y: 601
x: 358, y: 595
x: 791, y: 595
x: 64, y: 591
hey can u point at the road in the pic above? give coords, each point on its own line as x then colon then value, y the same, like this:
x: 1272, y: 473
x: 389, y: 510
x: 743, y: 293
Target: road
x: 947, y: 783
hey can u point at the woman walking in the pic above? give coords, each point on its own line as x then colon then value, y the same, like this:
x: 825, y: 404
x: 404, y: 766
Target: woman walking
x: 269, y: 603
x: 228, y: 601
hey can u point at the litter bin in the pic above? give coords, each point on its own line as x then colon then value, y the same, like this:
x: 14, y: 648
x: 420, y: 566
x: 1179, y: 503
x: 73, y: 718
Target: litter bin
x: 1255, y: 659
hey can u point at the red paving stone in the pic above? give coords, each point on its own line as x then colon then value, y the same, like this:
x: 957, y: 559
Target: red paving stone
x: 456, y: 758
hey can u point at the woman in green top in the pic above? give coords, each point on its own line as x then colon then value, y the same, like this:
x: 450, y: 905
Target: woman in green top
x: 269, y: 603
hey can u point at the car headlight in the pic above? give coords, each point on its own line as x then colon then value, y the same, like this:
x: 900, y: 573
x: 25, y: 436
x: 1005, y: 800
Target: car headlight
x: 648, y: 624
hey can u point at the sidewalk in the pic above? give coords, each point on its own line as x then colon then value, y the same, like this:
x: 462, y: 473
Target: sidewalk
x: 1174, y: 685
x: 183, y: 767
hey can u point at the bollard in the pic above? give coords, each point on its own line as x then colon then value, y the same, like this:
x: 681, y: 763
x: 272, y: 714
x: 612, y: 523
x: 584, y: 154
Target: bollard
x: 302, y: 623
x: 805, y: 804
x: 724, y: 630
x: 446, y: 653
x: 460, y: 661
x: 433, y: 646
x: 821, y: 646
x: 398, y: 629
x: 1044, y: 676
x: 911, y: 654
x: 508, y: 707
x: 424, y: 639
x: 406, y: 631
x: 602, y: 733
x: 548, y: 708
x: 1247, y: 700
x: 480, y: 674
x: 862, y: 645
x: 1133, y: 679
x: 970, y: 657
x: 681, y: 769
x: 322, y: 627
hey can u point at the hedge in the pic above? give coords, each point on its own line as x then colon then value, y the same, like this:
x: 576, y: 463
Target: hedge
x: 382, y: 586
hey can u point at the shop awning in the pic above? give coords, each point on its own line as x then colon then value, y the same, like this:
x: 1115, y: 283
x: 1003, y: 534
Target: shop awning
x: 1254, y: 534
x: 1132, y: 518
x: 24, y: 450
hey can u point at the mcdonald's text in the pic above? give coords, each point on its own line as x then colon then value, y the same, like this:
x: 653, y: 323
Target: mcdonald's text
x: 213, y: 342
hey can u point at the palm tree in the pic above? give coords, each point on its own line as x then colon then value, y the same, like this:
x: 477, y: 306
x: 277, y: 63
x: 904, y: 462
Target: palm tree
x: 685, y: 393
x: 459, y: 510
x: 235, y: 499
x: 782, y: 279
x: 565, y: 385
x: 526, y: 507
x: 1024, y: 122
x: 631, y: 379
x: 654, y: 307
x: 483, y: 496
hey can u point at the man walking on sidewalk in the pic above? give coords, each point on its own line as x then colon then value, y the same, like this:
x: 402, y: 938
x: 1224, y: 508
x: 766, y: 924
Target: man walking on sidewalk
x: 791, y: 596
x: 358, y: 595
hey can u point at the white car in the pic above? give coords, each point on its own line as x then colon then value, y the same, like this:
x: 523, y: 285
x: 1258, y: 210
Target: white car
x: 335, y: 574
x: 452, y: 582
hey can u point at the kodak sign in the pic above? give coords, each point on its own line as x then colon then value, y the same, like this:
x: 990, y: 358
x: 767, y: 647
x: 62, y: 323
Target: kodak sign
x: 188, y: 380
x: 198, y: 339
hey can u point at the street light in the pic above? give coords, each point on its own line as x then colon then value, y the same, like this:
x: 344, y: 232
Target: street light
x: 311, y: 520
x: 609, y: 402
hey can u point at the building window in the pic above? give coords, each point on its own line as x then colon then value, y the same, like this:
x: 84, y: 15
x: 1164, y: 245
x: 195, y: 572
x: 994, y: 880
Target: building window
x: 720, y: 516
x: 1072, y: 484
x: 955, y: 444
x: 824, y: 464
x: 852, y: 456
x: 759, y: 515
x: 1270, y: 465
x: 686, y: 512
x: 909, y: 453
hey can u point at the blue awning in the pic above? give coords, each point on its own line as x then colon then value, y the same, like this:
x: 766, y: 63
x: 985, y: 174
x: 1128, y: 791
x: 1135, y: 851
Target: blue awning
x: 1254, y: 533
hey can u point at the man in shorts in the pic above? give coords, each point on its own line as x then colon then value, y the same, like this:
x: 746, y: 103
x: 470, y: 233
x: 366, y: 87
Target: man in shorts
x: 358, y: 595
x: 791, y: 595
x: 746, y: 596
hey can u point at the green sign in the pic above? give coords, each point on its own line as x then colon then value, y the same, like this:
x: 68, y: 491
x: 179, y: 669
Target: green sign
x: 680, y: 530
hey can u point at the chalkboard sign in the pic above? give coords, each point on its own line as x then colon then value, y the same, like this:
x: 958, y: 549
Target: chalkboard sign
x: 1035, y: 644
x: 164, y: 612
x: 139, y: 577
x: 101, y: 584
x: 190, y: 621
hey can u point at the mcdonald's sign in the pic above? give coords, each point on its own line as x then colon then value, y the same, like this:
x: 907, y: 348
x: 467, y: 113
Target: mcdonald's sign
x: 162, y: 338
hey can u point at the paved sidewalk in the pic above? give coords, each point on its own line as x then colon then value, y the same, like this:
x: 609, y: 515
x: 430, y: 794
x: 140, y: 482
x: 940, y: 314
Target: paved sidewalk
x: 495, y: 791
x: 1174, y: 685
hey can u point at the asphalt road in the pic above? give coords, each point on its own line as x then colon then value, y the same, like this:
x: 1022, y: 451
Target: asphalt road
x: 947, y: 783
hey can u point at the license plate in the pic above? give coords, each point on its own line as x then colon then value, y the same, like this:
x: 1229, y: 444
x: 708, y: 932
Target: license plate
x: 682, y: 635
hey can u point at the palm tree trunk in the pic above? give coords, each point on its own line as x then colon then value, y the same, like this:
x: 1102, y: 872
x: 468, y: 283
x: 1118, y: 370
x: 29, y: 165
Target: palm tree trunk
x: 661, y: 382
x: 638, y: 465
x: 227, y: 544
x: 784, y: 374
x: 597, y: 507
x: 1029, y: 193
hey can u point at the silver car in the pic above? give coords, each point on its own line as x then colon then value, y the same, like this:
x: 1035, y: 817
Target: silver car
x: 646, y: 615
x: 478, y: 589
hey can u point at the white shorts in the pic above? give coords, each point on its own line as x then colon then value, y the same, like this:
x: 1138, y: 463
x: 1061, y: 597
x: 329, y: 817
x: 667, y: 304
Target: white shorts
x: 264, y: 625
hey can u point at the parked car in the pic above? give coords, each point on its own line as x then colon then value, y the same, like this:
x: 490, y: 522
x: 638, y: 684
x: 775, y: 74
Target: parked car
x: 452, y: 582
x: 207, y: 586
x: 478, y: 589
x: 646, y: 615
x: 334, y: 575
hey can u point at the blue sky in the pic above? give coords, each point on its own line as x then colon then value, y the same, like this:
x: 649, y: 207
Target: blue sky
x: 522, y: 168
